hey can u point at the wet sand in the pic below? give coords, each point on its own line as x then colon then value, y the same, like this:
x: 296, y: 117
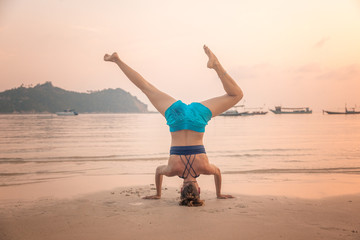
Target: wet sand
x: 121, y: 213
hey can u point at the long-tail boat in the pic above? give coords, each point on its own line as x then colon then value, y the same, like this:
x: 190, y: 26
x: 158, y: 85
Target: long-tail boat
x: 281, y: 110
x: 346, y: 111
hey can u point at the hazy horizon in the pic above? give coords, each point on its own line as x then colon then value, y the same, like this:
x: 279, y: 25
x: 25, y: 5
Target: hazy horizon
x: 290, y: 53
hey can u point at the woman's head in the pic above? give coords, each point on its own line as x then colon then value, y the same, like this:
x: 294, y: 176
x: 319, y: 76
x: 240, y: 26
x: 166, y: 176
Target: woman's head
x: 190, y: 195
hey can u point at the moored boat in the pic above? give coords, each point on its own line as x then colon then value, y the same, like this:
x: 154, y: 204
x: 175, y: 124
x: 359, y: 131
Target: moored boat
x: 245, y: 112
x: 254, y: 113
x: 346, y: 111
x: 67, y: 112
x: 301, y: 110
x: 233, y: 111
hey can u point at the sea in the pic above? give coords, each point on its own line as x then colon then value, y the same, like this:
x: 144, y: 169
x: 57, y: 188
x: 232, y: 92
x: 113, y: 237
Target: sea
x: 300, y: 155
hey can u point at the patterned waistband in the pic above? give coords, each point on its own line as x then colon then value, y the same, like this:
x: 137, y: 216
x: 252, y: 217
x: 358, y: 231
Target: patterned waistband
x: 187, y: 150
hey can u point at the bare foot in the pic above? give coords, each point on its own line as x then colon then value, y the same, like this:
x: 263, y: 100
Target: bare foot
x: 111, y: 58
x: 224, y: 196
x: 213, y: 61
x: 152, y: 197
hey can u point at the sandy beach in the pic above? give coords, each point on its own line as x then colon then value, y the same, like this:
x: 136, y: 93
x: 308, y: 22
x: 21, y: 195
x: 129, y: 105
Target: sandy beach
x: 121, y: 213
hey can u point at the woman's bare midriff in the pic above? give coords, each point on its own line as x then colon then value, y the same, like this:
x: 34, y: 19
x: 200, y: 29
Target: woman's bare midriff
x: 186, y: 138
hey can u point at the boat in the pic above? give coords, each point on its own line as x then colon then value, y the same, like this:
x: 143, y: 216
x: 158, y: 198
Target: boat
x: 281, y: 110
x: 234, y: 112
x: 254, y: 113
x: 346, y: 111
x: 67, y: 112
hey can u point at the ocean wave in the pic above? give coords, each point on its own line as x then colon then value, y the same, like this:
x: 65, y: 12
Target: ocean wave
x: 344, y: 170
x: 11, y: 160
x: 151, y: 157
x: 245, y: 153
x: 266, y: 150
x: 19, y: 182
x: 32, y: 181
x: 280, y: 150
x: 252, y: 155
x: 80, y: 159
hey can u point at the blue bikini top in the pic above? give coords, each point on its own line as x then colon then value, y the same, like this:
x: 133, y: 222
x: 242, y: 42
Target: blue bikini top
x: 180, y: 116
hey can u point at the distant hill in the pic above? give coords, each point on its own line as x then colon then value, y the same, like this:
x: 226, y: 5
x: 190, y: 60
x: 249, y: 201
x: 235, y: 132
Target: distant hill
x: 47, y: 98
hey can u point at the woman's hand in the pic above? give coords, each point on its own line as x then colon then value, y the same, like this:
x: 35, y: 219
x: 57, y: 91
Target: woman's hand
x: 152, y: 197
x: 223, y: 196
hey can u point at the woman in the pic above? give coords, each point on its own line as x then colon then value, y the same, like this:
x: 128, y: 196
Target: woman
x: 187, y: 125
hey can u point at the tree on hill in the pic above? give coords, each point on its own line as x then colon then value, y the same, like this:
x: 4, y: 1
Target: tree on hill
x: 47, y: 98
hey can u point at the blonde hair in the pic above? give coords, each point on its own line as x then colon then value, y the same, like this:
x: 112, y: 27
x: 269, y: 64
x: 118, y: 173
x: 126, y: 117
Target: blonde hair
x: 190, y: 196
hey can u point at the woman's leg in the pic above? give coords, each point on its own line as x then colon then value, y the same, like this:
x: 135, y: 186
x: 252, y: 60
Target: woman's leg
x: 233, y: 94
x: 160, y: 100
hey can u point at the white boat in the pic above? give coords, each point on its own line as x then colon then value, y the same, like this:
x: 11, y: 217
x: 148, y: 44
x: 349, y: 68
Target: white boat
x: 233, y: 111
x: 245, y: 112
x: 282, y: 110
x: 67, y: 112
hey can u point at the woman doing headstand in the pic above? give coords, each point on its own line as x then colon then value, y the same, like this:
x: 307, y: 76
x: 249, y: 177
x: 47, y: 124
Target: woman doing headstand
x: 187, y: 123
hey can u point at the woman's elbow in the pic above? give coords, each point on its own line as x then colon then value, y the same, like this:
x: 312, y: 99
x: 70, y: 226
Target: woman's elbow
x: 239, y: 96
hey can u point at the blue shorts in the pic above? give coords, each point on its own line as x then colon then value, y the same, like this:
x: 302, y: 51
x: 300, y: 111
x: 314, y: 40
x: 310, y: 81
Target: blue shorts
x: 180, y: 116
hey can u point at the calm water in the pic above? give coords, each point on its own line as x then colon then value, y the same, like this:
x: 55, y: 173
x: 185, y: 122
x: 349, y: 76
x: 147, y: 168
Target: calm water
x: 38, y: 148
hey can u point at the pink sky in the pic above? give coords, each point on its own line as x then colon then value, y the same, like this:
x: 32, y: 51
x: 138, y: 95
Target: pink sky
x: 293, y: 53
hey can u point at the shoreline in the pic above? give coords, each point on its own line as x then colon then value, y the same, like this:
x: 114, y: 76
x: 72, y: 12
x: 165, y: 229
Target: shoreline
x: 306, y: 186
x: 121, y: 213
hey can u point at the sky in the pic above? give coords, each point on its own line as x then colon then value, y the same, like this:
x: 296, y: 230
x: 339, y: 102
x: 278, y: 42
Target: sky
x: 291, y: 53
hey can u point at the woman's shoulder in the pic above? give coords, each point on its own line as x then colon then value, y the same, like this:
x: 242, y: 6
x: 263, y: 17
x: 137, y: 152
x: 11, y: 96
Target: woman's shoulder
x: 203, y: 165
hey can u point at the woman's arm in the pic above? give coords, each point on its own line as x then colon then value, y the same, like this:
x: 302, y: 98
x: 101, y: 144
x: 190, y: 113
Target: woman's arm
x: 160, y: 172
x: 217, y: 179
